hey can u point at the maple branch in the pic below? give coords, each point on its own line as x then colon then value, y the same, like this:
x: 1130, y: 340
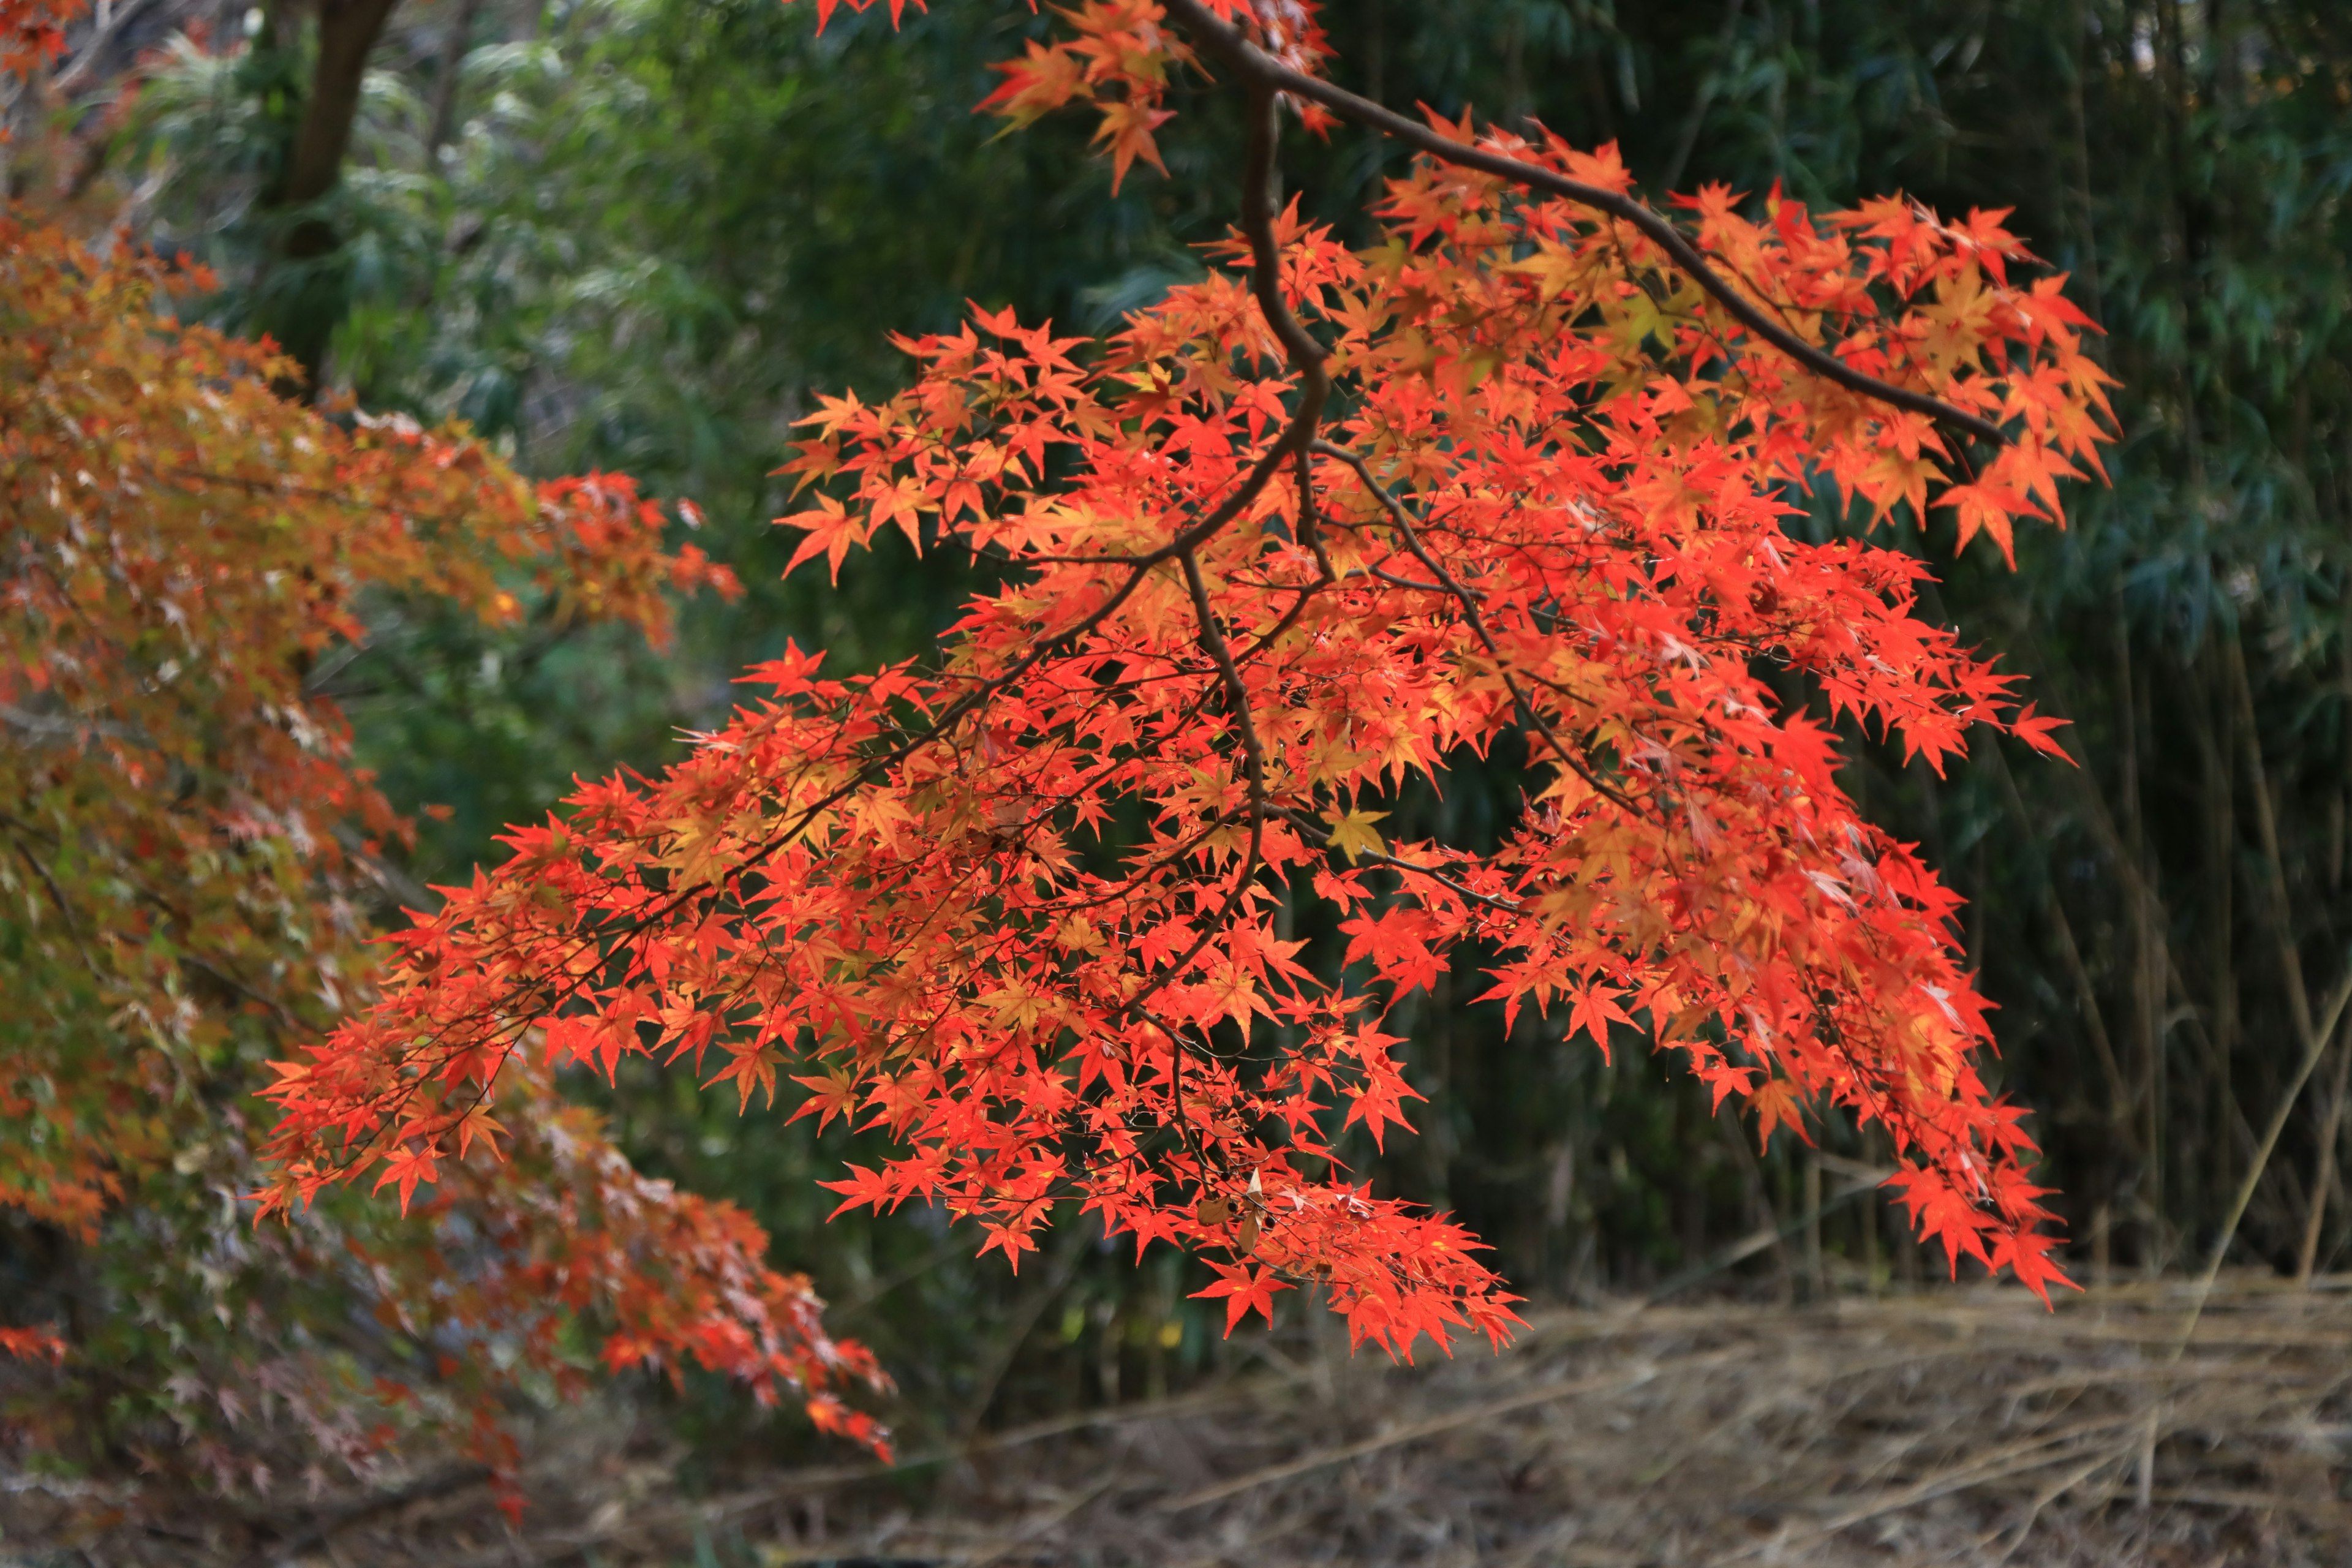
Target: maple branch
x: 1259, y: 207
x: 1374, y: 858
x: 1252, y: 770
x: 1184, y: 1138
x: 1321, y: 833
x: 1306, y: 357
x: 1392, y: 580
x: 1265, y: 74
x: 1310, y: 532
x: 1253, y: 751
x: 1528, y: 713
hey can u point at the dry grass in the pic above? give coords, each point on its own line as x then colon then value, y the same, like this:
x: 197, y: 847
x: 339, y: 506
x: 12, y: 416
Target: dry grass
x: 1954, y: 1427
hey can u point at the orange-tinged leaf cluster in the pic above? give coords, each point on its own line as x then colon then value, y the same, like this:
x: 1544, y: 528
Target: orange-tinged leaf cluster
x: 32, y: 1345
x: 33, y: 33
x: 1022, y: 908
x: 186, y: 843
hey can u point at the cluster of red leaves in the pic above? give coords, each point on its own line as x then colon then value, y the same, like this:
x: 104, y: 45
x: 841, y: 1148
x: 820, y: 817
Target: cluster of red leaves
x: 1024, y: 909
x: 564, y: 1231
x: 33, y: 33
x: 1118, y: 60
x: 32, y: 1345
x: 188, y: 844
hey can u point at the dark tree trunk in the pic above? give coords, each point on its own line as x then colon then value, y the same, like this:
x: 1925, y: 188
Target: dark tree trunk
x: 309, y: 302
x: 445, y: 86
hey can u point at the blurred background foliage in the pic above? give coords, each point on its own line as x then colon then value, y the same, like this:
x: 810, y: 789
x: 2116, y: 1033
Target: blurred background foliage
x: 645, y: 234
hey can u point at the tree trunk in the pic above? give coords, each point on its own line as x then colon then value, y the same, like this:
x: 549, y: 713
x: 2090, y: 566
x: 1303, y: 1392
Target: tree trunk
x: 312, y: 303
x: 445, y: 86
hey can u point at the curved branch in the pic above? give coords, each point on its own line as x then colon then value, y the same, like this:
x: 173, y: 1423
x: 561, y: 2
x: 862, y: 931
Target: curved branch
x: 1253, y: 772
x: 1528, y: 714
x: 1306, y: 356
x: 1319, y: 833
x: 1265, y: 72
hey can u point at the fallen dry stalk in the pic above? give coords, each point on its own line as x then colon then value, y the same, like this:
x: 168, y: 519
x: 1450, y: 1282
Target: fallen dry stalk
x: 1490, y: 1410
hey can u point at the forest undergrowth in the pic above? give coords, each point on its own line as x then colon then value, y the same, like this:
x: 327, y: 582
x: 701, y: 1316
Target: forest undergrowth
x: 1955, y: 1425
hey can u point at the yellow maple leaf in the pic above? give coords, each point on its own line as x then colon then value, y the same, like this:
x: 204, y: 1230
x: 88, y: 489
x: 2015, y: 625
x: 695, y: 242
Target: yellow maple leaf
x: 1354, y: 834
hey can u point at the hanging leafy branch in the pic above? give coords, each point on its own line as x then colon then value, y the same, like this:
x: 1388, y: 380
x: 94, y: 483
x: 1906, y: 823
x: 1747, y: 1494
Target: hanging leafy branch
x: 1298, y: 535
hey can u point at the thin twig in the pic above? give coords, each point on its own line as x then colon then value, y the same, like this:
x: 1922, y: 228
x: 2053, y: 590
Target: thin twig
x: 2315, y: 1047
x: 65, y: 910
x: 1528, y: 713
x: 1472, y: 1415
x: 1321, y: 834
x: 1306, y: 357
x: 1261, y: 69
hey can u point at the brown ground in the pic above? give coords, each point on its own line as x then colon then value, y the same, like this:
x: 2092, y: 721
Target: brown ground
x: 1953, y: 1427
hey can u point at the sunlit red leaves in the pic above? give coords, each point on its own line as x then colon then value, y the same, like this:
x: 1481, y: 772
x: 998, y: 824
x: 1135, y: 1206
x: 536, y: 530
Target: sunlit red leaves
x: 1116, y: 56
x: 1243, y: 1291
x: 1027, y: 910
x: 825, y: 8
x: 1039, y: 1004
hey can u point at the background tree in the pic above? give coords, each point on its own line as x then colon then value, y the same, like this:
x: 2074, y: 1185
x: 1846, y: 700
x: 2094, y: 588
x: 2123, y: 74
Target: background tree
x: 192, y: 862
